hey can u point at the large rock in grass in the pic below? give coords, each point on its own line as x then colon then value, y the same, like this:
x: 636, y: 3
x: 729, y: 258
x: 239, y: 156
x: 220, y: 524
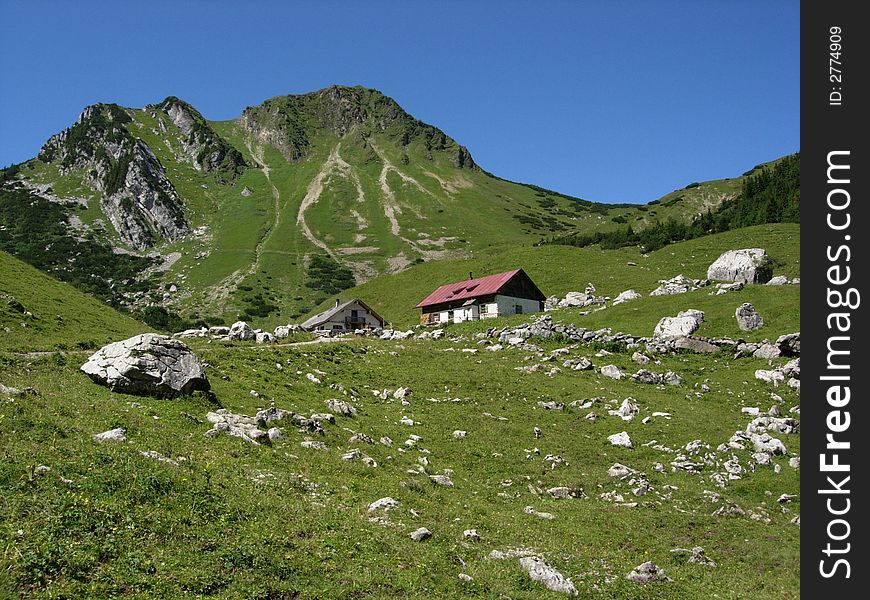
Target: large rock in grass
x: 147, y: 365
x: 539, y: 570
x: 748, y: 318
x: 749, y: 265
x: 684, y: 324
x: 241, y: 331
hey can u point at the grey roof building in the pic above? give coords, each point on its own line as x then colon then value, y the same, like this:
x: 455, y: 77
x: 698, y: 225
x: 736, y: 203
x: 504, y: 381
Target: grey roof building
x: 349, y: 316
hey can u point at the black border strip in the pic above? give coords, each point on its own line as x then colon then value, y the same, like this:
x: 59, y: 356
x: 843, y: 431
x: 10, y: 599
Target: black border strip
x: 834, y: 232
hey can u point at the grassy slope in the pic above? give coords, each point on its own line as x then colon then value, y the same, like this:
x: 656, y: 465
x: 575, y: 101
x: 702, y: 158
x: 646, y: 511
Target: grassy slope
x: 236, y: 521
x: 560, y: 269
x: 62, y: 317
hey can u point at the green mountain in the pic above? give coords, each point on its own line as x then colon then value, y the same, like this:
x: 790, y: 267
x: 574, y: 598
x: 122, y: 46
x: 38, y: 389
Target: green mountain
x: 500, y: 451
x: 161, y: 211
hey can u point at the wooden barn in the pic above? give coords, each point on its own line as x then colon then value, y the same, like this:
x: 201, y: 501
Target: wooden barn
x: 349, y: 316
x: 509, y: 293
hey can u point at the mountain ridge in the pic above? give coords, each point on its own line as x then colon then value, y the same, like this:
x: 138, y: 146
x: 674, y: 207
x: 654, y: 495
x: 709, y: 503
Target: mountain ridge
x: 267, y: 214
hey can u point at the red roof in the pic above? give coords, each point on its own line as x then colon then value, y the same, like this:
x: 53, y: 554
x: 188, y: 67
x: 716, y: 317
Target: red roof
x: 470, y: 288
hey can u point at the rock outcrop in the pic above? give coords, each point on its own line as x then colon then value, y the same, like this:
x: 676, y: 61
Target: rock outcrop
x: 679, y: 284
x: 241, y: 331
x: 748, y: 318
x: 148, y: 364
x: 574, y: 300
x: 626, y: 296
x: 748, y: 265
x: 684, y: 324
x: 205, y: 149
x: 540, y: 571
x: 789, y: 344
x: 137, y: 197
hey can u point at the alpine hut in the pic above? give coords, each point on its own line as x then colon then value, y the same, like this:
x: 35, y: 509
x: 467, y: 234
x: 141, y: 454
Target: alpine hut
x: 509, y: 293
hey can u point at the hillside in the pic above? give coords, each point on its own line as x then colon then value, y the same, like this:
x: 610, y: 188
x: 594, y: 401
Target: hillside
x: 38, y: 312
x: 171, y: 512
x: 266, y: 215
x: 510, y: 441
x: 560, y: 269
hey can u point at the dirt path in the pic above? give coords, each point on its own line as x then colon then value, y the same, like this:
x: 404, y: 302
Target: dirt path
x: 333, y: 163
x: 391, y: 206
x: 400, y: 262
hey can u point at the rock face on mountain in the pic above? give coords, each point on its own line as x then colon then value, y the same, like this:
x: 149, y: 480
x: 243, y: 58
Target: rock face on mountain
x: 138, y: 198
x: 148, y: 364
x: 204, y: 148
x: 749, y: 265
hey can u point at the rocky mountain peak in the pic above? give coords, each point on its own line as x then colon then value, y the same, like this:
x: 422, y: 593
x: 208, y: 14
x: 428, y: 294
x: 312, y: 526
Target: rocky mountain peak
x: 205, y: 149
x: 342, y: 108
x: 137, y: 197
x: 290, y: 122
x: 98, y: 125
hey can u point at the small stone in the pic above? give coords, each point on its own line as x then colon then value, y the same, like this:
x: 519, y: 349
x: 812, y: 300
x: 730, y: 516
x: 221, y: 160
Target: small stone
x: 385, y: 504
x: 112, y: 435
x: 341, y: 407
x: 563, y: 493
x: 620, y: 439
x: 541, y: 515
x: 612, y: 371
x: 620, y: 471
x: 685, y: 323
x: 418, y: 535
x: 442, y: 480
x: 313, y: 445
x: 352, y: 454
x: 471, y: 534
x: 641, y: 359
x: 698, y: 557
x: 646, y: 573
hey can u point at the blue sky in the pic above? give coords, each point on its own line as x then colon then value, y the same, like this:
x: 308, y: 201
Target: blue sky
x: 610, y: 101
